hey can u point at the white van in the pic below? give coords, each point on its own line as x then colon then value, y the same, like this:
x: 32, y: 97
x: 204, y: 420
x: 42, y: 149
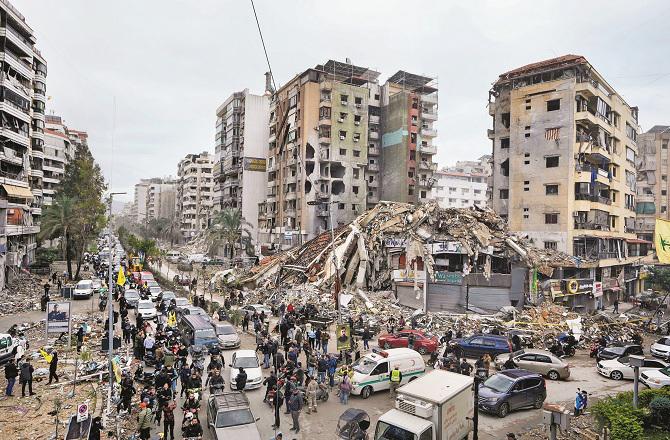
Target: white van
x: 371, y: 372
x: 173, y: 256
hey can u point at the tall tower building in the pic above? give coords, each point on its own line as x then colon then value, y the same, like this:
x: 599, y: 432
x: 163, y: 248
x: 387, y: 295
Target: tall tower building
x: 652, y: 180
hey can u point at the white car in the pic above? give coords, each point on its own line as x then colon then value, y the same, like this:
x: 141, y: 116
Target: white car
x: 619, y: 369
x: 661, y: 348
x: 146, y: 309
x: 197, y: 258
x: 154, y: 291
x: 97, y: 284
x: 246, y: 359
x: 83, y: 289
x: 258, y: 308
x: 656, y: 378
x: 227, y: 335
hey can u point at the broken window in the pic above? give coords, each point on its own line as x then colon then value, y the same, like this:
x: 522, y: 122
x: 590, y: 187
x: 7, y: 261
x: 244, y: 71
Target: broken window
x: 324, y: 131
x: 410, y: 190
x: 340, y: 206
x: 551, y: 161
x: 376, y: 96
x: 504, y: 167
x: 357, y: 137
x: 343, y: 152
x: 423, y: 194
x: 550, y: 245
x: 504, y: 142
x: 412, y: 155
x: 324, y: 113
x: 357, y: 120
x: 343, y: 116
x: 357, y: 153
x: 358, y: 101
x: 551, y: 218
x: 292, y: 101
x: 553, y: 105
x: 344, y: 99
x: 412, y: 138
x: 415, y: 120
x: 354, y: 189
x: 356, y: 173
x: 504, y: 194
x: 343, y: 135
x: 505, y: 119
x: 551, y: 190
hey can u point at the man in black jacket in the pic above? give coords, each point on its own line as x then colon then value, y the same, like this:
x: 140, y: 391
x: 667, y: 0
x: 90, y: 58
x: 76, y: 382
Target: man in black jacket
x: 241, y: 379
x: 10, y: 374
x: 26, y: 378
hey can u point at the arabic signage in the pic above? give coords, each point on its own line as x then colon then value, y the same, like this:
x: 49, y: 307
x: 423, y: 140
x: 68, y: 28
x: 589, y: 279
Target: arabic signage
x: 559, y: 288
x: 449, y: 277
x: 58, y: 317
x: 408, y: 275
x: 255, y: 164
x: 597, y: 289
x: 395, y: 242
x: 447, y: 247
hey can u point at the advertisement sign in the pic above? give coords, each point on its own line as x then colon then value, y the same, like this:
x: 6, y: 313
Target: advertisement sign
x: 447, y: 247
x: 597, y: 289
x: 255, y: 164
x: 58, y: 317
x: 449, y: 277
x: 395, y: 242
x: 343, y: 337
x: 408, y: 275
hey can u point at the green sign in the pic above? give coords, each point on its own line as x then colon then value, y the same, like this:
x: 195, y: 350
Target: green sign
x: 449, y: 277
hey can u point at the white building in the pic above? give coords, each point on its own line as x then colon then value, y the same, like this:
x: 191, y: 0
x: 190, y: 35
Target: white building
x: 58, y: 151
x: 463, y: 185
x: 161, y: 199
x: 195, y: 188
x: 139, y: 212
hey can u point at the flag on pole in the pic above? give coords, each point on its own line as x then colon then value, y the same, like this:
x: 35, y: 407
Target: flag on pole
x: 172, y: 319
x: 121, y: 280
x: 662, y: 240
x: 116, y: 368
x: 47, y: 357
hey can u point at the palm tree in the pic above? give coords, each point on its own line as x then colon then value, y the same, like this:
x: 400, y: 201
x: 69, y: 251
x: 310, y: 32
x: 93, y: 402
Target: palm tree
x: 58, y: 221
x: 230, y: 227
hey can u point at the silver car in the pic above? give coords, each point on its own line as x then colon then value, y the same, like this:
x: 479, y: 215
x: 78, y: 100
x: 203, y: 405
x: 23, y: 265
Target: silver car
x: 227, y: 335
x: 537, y: 361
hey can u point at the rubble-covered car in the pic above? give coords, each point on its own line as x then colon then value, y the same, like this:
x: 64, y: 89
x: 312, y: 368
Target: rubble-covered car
x: 661, y: 348
x: 229, y: 416
x: 620, y: 368
x: 618, y: 351
x: 83, y: 289
x: 537, y: 361
x: 146, y: 309
x: 132, y: 297
x: 8, y: 347
x: 478, y: 345
x: 424, y: 343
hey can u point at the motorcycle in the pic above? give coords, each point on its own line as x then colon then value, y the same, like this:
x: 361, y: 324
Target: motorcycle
x: 562, y: 350
x: 595, y: 349
x: 322, y: 394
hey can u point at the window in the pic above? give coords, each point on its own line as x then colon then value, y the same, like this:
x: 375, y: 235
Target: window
x: 376, y: 96
x: 551, y: 190
x: 423, y: 194
x: 324, y: 113
x: 356, y: 173
x: 550, y: 245
x: 357, y: 120
x: 354, y: 189
x: 358, y: 101
x: 344, y: 99
x: 504, y: 142
x: 504, y: 194
x: 427, y: 434
x: 630, y: 132
x: 551, y: 218
x: 664, y: 208
x: 504, y: 119
x: 343, y: 134
x: 340, y: 206
x: 410, y: 190
x: 553, y: 105
x: 412, y: 138
x: 382, y: 368
x: 343, y: 152
x: 664, y: 192
x: 357, y: 137
x: 551, y: 161
x: 542, y: 358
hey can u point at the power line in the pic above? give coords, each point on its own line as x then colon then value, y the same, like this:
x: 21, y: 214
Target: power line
x: 272, y: 77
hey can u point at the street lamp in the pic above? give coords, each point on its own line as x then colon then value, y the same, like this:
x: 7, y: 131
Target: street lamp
x: 636, y: 362
x: 110, y: 307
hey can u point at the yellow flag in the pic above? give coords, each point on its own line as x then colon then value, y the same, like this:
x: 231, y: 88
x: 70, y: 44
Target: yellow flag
x: 116, y: 369
x: 47, y: 357
x: 172, y: 319
x: 662, y: 240
x: 121, y: 280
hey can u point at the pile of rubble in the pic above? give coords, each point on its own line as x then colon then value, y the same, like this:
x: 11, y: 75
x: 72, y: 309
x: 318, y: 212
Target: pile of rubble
x: 22, y: 294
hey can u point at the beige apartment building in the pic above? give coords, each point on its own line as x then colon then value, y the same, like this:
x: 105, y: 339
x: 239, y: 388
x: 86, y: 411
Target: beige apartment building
x: 564, y: 152
x: 652, y: 180
x: 194, y: 198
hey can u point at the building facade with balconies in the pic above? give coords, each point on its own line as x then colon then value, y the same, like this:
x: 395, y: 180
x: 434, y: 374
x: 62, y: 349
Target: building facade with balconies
x: 58, y: 151
x: 463, y: 185
x: 652, y: 180
x: 161, y: 199
x: 564, y: 152
x: 194, y: 197
x: 240, y: 176
x: 22, y: 105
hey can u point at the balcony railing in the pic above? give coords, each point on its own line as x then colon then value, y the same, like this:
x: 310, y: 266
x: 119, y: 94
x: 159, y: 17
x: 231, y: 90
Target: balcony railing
x: 593, y: 198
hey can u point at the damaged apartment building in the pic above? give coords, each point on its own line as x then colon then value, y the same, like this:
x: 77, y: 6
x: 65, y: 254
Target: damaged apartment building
x: 564, y: 152
x: 339, y: 142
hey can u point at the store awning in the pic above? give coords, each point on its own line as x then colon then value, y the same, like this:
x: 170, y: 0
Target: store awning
x: 637, y: 241
x: 18, y: 192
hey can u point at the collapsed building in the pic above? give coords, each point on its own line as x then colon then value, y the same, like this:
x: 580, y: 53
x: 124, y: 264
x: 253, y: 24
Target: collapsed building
x: 432, y: 258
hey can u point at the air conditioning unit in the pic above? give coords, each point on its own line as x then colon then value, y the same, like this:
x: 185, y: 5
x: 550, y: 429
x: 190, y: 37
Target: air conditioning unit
x: 575, y: 214
x: 356, y: 139
x: 342, y: 138
x: 358, y: 105
x: 340, y: 120
x: 344, y: 102
x: 357, y: 122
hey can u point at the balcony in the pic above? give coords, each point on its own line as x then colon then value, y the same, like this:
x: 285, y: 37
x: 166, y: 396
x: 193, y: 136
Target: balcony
x: 428, y: 132
x: 19, y: 65
x: 373, y: 184
x: 374, y: 151
x: 37, y: 192
x: 20, y: 138
x: 429, y: 99
x: 36, y: 173
x: 40, y: 96
x: 15, y: 110
x: 593, y: 198
x: 13, y: 230
x: 322, y: 211
x: 646, y: 198
x: 325, y: 122
x: 373, y: 167
x: 427, y: 149
x: 290, y: 212
x: 36, y: 211
x: 291, y: 195
x: 373, y: 135
x: 291, y: 161
x: 374, y: 119
x: 19, y: 41
x: 429, y: 116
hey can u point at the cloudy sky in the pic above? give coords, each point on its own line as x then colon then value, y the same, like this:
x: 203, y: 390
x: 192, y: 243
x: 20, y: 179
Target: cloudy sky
x: 168, y: 64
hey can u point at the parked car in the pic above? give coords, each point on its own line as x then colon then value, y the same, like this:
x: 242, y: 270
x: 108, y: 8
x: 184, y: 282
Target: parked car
x: 620, y: 368
x: 661, y: 348
x: 424, y: 343
x: 229, y: 416
x: 537, y: 361
x: 248, y: 360
x: 193, y: 310
x: 656, y: 378
x: 227, y: 335
x: 618, y: 351
x: 97, y: 284
x: 132, y: 297
x: 173, y: 256
x: 197, y: 258
x: 154, y: 292
x: 83, y: 289
x: 146, y: 309
x: 258, y: 308
x: 180, y: 303
x: 165, y: 297
x: 510, y: 390
x: 478, y: 345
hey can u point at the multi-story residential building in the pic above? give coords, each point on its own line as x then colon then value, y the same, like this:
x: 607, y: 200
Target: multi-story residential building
x: 23, y: 82
x: 58, y: 150
x: 240, y: 172
x: 195, y: 189
x: 409, y: 109
x: 339, y: 142
x: 564, y: 151
x: 161, y: 199
x: 652, y: 180
x: 462, y: 185
x: 139, y: 211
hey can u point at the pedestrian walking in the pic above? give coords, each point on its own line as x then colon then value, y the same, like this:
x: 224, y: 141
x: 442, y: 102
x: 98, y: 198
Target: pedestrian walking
x: 295, y: 406
x: 579, y: 403
x: 53, y: 365
x: 395, y: 378
x: 144, y: 422
x: 11, y: 372
x: 168, y: 419
x: 241, y: 379
x: 345, y: 389
x: 616, y: 305
x: 325, y: 336
x: 312, y: 388
x: 410, y: 341
x: 80, y: 338
x: 26, y: 378
x: 366, y: 338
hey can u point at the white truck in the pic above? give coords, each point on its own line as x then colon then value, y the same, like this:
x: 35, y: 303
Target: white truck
x: 436, y: 406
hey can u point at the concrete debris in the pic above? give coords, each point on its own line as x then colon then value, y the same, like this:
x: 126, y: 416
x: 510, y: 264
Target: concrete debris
x: 22, y: 294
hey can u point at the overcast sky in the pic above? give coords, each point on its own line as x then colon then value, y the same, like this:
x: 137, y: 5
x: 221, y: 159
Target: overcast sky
x: 168, y: 64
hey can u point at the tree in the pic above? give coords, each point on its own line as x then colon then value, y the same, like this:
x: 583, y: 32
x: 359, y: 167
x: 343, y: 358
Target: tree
x: 58, y: 221
x: 660, y: 277
x: 230, y: 227
x: 84, y: 184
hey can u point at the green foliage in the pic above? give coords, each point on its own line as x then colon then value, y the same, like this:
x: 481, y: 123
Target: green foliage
x: 235, y: 316
x: 229, y: 227
x: 660, y: 277
x: 46, y: 256
x: 144, y: 246
x: 646, y: 396
x: 660, y: 411
x: 626, y: 428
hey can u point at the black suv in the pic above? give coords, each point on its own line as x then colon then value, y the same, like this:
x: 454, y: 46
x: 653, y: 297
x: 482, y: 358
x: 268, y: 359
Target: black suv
x: 616, y: 352
x: 510, y: 390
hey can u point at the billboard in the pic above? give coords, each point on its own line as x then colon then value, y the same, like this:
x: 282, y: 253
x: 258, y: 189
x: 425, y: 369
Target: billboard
x: 255, y: 164
x: 343, y: 337
x: 58, y: 317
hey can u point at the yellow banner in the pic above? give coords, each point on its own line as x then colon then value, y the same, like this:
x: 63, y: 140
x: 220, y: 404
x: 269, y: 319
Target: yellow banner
x: 47, y: 357
x: 117, y: 369
x: 172, y: 319
x: 121, y: 280
x: 662, y: 240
